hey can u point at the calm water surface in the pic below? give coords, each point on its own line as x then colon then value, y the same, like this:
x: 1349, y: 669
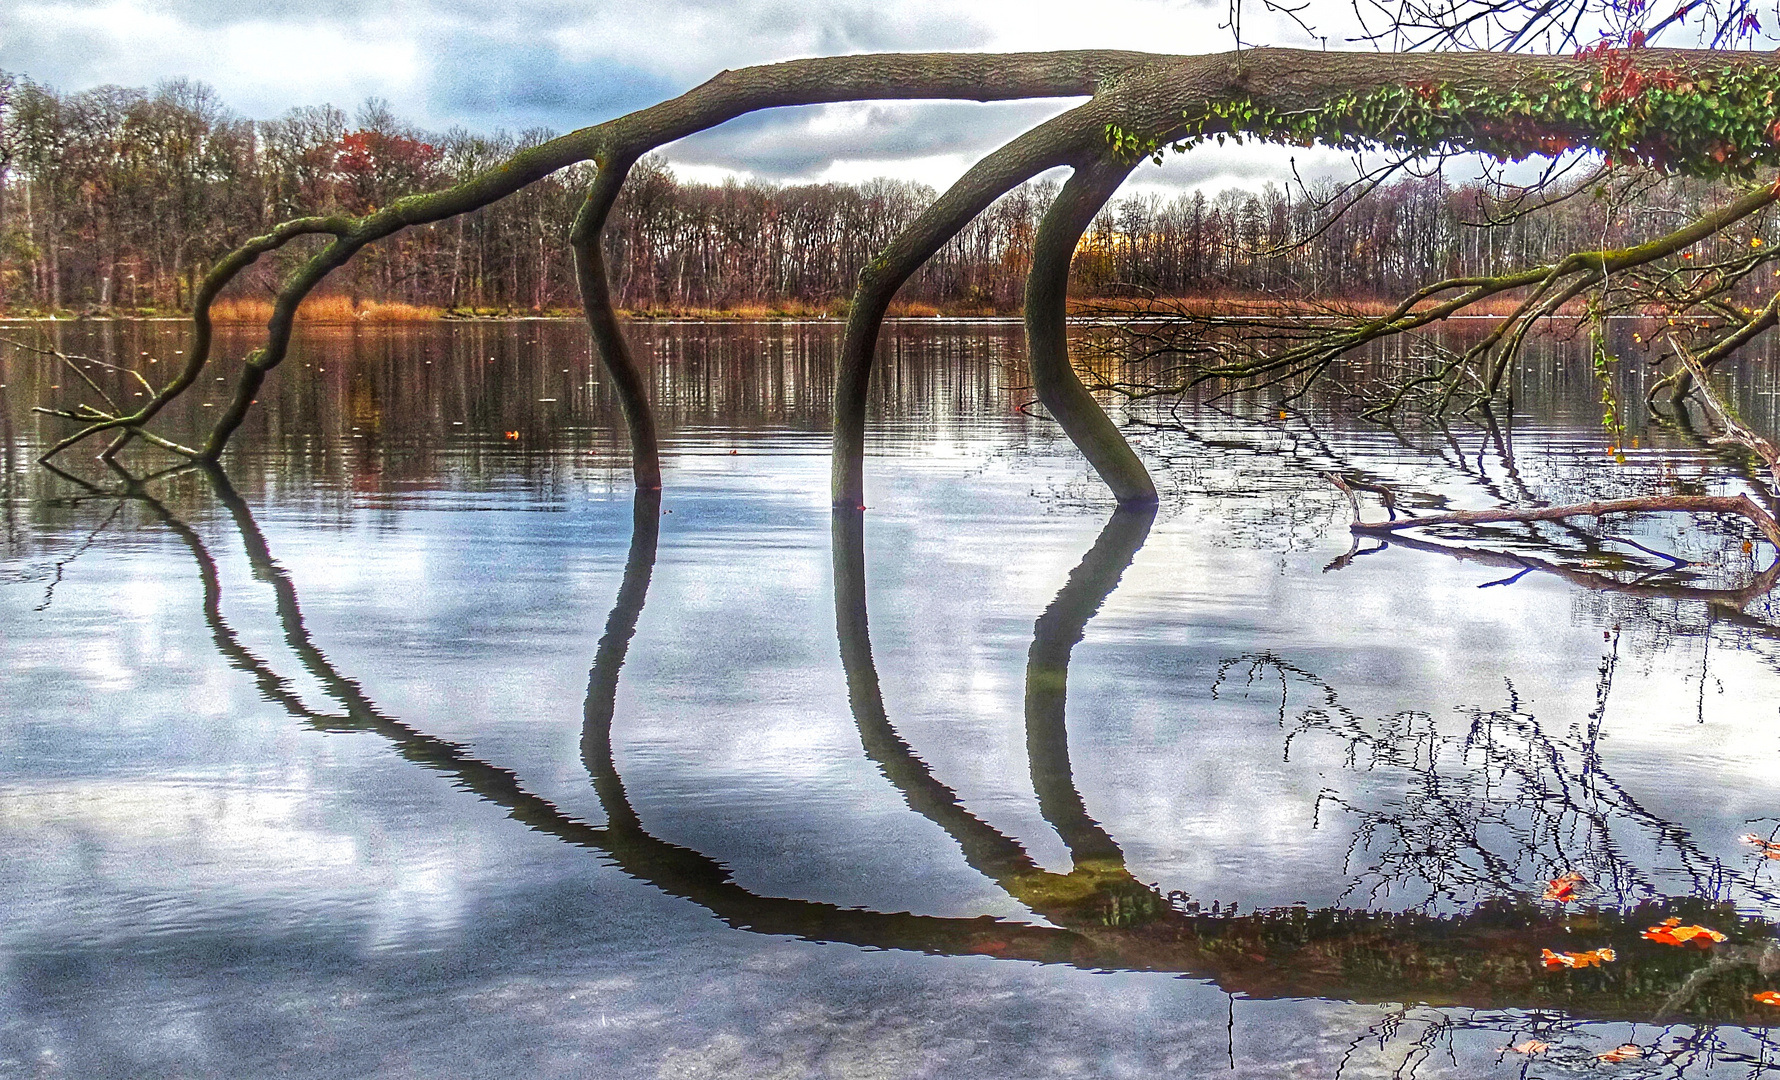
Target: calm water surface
x: 418, y: 746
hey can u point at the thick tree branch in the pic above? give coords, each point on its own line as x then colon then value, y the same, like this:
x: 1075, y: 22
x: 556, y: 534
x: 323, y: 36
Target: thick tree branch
x: 1047, y: 335
x: 602, y: 321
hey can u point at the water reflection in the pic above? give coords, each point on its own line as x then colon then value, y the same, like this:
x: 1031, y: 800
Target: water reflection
x: 1478, y: 955
x: 1099, y: 890
x: 1107, y: 846
x: 1478, y: 814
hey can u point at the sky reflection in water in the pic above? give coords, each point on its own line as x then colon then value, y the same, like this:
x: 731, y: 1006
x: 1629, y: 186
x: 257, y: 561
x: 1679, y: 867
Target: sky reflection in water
x: 305, y: 770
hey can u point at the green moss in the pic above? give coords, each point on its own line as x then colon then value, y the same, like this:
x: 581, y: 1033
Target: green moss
x: 1712, y: 124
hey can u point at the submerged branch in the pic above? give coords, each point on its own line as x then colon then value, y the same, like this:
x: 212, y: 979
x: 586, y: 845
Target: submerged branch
x: 1740, y: 505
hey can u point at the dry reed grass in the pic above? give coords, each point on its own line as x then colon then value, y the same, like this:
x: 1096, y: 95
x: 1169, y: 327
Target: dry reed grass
x: 340, y: 309
x: 323, y: 309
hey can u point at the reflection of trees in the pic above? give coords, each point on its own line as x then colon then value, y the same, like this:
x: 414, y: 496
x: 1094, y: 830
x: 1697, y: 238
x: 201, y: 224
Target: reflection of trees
x: 1098, y: 889
x: 1658, y: 598
x: 676, y: 870
x: 1101, y: 916
x: 1484, y: 812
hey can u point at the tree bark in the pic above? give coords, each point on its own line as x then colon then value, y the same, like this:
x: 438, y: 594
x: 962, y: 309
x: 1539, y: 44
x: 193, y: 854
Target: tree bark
x: 602, y: 320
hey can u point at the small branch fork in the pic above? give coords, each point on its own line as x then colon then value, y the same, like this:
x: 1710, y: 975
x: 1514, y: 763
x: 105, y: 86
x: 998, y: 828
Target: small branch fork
x: 1736, y: 433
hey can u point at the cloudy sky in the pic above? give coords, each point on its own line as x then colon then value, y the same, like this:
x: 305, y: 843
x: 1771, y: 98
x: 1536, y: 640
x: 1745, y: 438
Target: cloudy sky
x: 514, y: 64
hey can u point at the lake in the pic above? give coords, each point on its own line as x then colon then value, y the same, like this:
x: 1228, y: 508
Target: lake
x: 417, y: 745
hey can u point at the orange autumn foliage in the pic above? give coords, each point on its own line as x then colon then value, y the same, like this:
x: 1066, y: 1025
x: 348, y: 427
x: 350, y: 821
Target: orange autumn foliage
x: 1768, y: 997
x: 1671, y: 932
x: 1591, y: 958
x: 1628, y: 1052
x: 1563, y: 889
x: 1766, y: 847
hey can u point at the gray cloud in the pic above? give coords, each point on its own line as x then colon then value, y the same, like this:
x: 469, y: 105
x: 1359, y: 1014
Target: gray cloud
x: 484, y: 84
x: 788, y: 144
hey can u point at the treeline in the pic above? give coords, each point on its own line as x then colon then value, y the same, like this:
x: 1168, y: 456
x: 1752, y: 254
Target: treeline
x: 117, y: 198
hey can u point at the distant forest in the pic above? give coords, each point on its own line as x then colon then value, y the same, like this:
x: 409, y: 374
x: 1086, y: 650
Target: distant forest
x: 117, y: 198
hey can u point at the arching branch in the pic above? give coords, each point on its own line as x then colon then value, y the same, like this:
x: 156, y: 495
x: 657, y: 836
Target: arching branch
x: 602, y: 321
x: 1056, y: 142
x: 1047, y: 334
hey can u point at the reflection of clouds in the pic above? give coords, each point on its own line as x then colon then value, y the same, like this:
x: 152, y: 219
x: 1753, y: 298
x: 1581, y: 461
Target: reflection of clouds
x: 878, y: 1045
x: 113, y: 860
x: 418, y: 899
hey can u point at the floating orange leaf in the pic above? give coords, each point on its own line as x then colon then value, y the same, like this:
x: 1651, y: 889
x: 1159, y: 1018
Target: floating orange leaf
x: 1766, y: 847
x: 1769, y: 997
x: 1591, y: 958
x: 1531, y: 1047
x: 1671, y: 932
x: 1628, y: 1052
x: 1563, y: 889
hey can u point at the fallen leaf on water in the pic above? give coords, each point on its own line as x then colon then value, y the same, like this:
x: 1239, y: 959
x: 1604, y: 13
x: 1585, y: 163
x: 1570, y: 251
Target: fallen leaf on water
x: 1769, y: 997
x: 1591, y: 958
x: 1563, y: 889
x: 1628, y: 1052
x: 1531, y: 1047
x: 1671, y: 932
x: 1766, y: 847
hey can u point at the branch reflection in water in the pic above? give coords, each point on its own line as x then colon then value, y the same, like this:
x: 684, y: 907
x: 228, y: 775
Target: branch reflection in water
x: 1478, y: 959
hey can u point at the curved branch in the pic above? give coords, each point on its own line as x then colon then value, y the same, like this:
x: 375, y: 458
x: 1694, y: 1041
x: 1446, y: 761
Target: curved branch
x: 971, y: 77
x: 602, y: 321
x: 1147, y: 96
x: 1054, y: 637
x: 1058, y: 141
x: 989, y: 851
x: 1047, y: 334
x: 278, y: 331
x: 1480, y: 959
x: 220, y: 275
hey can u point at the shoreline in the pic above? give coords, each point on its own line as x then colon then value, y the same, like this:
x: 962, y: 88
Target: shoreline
x: 1086, y: 312
x: 738, y: 319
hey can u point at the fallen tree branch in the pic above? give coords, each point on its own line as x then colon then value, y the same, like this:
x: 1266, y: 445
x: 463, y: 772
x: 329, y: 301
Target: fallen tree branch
x: 1735, y: 432
x: 1593, y: 580
x: 1740, y: 505
x: 1137, y: 104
